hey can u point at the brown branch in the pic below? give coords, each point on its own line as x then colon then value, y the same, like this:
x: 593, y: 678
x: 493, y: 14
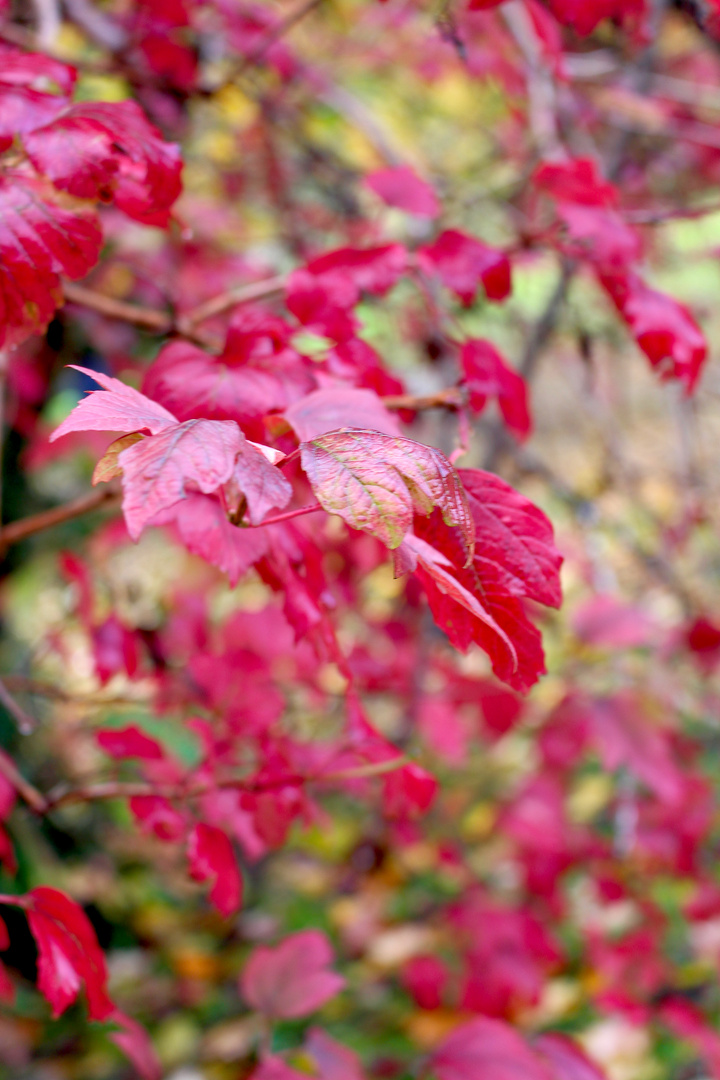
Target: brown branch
x: 35, y: 800
x: 46, y: 519
x: 281, y: 28
x: 151, y: 318
x: 63, y: 796
x: 241, y: 294
x: 453, y: 397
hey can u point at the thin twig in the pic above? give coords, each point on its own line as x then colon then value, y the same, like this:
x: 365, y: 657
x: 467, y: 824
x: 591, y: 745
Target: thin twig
x: 453, y: 397
x: 151, y: 318
x: 35, y: 800
x: 278, y: 31
x: 241, y: 294
x: 26, y: 724
x: 62, y: 796
x: 47, y: 22
x: 290, y: 514
x: 46, y: 519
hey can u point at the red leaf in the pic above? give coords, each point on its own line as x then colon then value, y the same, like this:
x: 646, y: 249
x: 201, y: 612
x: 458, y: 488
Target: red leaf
x: 487, y: 375
x: 135, y: 1043
x: 24, y: 101
x: 664, y: 329
x: 514, y: 558
x: 129, y: 742
x: 462, y: 262
x: 39, y: 240
x: 261, y: 484
x: 584, y: 15
x: 291, y: 980
x: 374, y: 482
x: 157, y: 816
x: 402, y: 187
x: 374, y: 270
x: 211, y: 856
x: 68, y: 953
x: 408, y: 792
x: 487, y: 1049
x: 117, y: 407
x: 425, y: 978
x: 515, y: 535
x: 336, y: 407
x: 577, y: 180
x: 258, y: 372
x: 157, y: 469
x: 98, y: 150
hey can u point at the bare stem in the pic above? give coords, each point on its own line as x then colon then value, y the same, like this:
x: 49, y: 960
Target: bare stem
x: 20, y: 530
x: 35, y: 800
x: 26, y: 724
x: 290, y: 514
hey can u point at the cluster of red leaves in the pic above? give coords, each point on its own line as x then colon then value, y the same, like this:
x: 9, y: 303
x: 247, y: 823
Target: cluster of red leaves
x: 224, y: 448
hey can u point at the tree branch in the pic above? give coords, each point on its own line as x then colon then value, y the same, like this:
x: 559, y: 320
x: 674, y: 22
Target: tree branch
x: 30, y: 794
x: 46, y: 519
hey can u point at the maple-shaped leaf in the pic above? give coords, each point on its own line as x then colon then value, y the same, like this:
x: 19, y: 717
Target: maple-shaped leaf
x: 211, y: 858
x: 256, y: 483
x: 293, y: 979
x: 157, y: 470
x: 375, y: 482
x: 400, y: 186
x: 104, y: 150
x: 663, y: 328
x: 486, y: 1049
x: 258, y: 372
x: 335, y: 407
x: 42, y: 236
x: 68, y: 952
x: 487, y: 374
x: 463, y: 262
x: 117, y: 407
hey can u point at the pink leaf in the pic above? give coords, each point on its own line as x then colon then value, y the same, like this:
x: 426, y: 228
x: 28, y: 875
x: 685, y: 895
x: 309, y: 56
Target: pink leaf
x: 157, y: 470
x: 567, y: 1060
x: 462, y: 262
x: 258, y: 372
x: 40, y: 239
x: 485, y: 1049
x: 117, y: 407
x: 99, y: 150
x: 211, y: 857
x: 336, y: 407
x: 334, y: 1061
x: 261, y: 484
x: 291, y: 980
x: 425, y: 978
x: 488, y: 375
x: 374, y: 483
x: 136, y: 1045
x: 68, y: 953
x: 129, y: 742
x: 409, y: 792
x: 402, y: 187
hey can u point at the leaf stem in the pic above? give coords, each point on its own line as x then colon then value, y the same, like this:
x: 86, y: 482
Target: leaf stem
x: 20, y: 530
x: 290, y: 514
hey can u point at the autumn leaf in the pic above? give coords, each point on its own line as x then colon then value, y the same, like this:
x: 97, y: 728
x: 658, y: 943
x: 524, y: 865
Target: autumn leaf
x: 375, y: 483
